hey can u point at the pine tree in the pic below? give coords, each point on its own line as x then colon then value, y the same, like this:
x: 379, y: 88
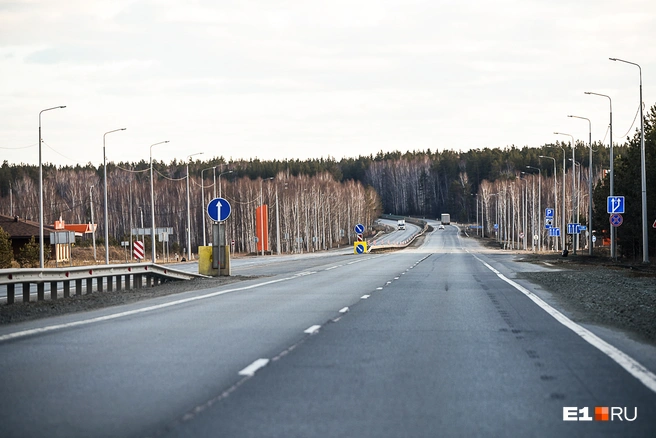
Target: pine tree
x: 6, y: 253
x: 28, y: 255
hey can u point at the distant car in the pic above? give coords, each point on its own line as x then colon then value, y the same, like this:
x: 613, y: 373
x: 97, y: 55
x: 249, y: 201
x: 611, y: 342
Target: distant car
x: 441, y: 227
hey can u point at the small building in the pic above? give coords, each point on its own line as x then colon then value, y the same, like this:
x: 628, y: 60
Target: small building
x: 22, y: 230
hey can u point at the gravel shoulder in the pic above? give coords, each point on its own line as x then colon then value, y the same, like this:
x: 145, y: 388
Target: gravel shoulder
x: 596, y: 290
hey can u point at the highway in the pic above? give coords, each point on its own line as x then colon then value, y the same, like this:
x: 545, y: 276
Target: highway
x: 440, y: 340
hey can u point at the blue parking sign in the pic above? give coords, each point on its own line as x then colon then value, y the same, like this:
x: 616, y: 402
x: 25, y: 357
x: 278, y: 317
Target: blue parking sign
x: 549, y: 213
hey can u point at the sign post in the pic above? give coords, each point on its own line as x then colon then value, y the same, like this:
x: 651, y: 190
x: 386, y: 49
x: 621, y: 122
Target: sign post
x: 218, y: 210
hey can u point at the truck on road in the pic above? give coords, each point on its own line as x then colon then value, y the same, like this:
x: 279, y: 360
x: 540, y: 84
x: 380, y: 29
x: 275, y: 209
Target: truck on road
x: 446, y: 219
x: 400, y: 224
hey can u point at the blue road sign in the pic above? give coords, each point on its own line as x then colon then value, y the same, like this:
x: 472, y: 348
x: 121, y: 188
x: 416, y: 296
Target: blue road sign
x: 496, y: 226
x: 359, y: 249
x: 548, y: 223
x: 573, y: 229
x: 616, y: 220
x: 359, y: 229
x: 615, y: 204
x: 218, y: 209
x: 549, y: 213
x: 554, y: 232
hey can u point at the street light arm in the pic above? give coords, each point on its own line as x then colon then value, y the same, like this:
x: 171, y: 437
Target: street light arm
x: 193, y: 155
x: 41, y: 188
x: 629, y: 62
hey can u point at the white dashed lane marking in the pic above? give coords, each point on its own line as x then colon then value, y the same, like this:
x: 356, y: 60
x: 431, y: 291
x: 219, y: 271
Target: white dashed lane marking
x: 252, y: 368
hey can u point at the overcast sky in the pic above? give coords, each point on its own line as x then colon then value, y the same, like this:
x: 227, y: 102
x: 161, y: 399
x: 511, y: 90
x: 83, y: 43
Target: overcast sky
x: 308, y: 79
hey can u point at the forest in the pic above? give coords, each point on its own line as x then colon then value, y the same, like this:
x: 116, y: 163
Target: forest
x: 314, y: 204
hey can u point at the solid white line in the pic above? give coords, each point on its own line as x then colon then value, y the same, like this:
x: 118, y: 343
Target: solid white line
x: 364, y: 297
x: 252, y: 368
x: 331, y: 268
x: 344, y: 310
x: 635, y: 368
x: 312, y: 330
x: 137, y: 311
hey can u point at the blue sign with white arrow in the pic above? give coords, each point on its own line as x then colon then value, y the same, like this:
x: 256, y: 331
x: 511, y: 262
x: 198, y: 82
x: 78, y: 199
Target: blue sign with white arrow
x: 615, y: 204
x: 359, y: 229
x: 218, y: 209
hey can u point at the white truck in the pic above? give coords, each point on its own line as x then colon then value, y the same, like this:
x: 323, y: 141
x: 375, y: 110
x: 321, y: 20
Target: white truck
x: 446, y: 219
x: 400, y: 224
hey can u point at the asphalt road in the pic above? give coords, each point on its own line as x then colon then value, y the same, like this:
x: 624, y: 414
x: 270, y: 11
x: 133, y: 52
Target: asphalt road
x: 434, y: 341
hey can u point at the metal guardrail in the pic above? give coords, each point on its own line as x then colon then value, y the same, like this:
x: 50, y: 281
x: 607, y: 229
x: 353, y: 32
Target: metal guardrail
x: 123, y: 277
x: 380, y: 243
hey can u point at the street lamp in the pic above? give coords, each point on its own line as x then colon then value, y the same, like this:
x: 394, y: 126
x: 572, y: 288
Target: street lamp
x: 539, y: 203
x: 188, y: 212
x: 222, y: 173
x: 105, y: 179
x: 152, y: 204
x: 555, y: 191
x: 525, y: 207
x: 643, y: 173
x: 496, y: 212
x: 93, y: 228
x: 589, y: 185
x: 576, y: 165
x: 563, y: 231
x: 41, y: 189
x: 202, y: 196
x: 613, y: 247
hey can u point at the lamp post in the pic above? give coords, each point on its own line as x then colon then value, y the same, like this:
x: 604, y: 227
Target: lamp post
x: 496, y: 212
x: 643, y: 172
x: 539, y: 203
x: 152, y: 205
x: 142, y: 226
x: 576, y: 165
x: 278, y: 225
x: 93, y: 228
x: 262, y: 209
x: 589, y: 184
x: 202, y: 196
x: 105, y: 180
x: 41, y: 189
x: 188, y: 208
x: 564, y: 229
x: 555, y: 193
x: 612, y: 171
x: 222, y: 173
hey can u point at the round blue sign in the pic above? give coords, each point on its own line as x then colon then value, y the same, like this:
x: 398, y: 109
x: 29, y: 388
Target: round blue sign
x: 359, y: 229
x: 218, y: 209
x: 359, y: 249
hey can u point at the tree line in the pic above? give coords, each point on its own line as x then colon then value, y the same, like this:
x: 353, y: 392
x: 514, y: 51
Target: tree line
x: 319, y: 200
